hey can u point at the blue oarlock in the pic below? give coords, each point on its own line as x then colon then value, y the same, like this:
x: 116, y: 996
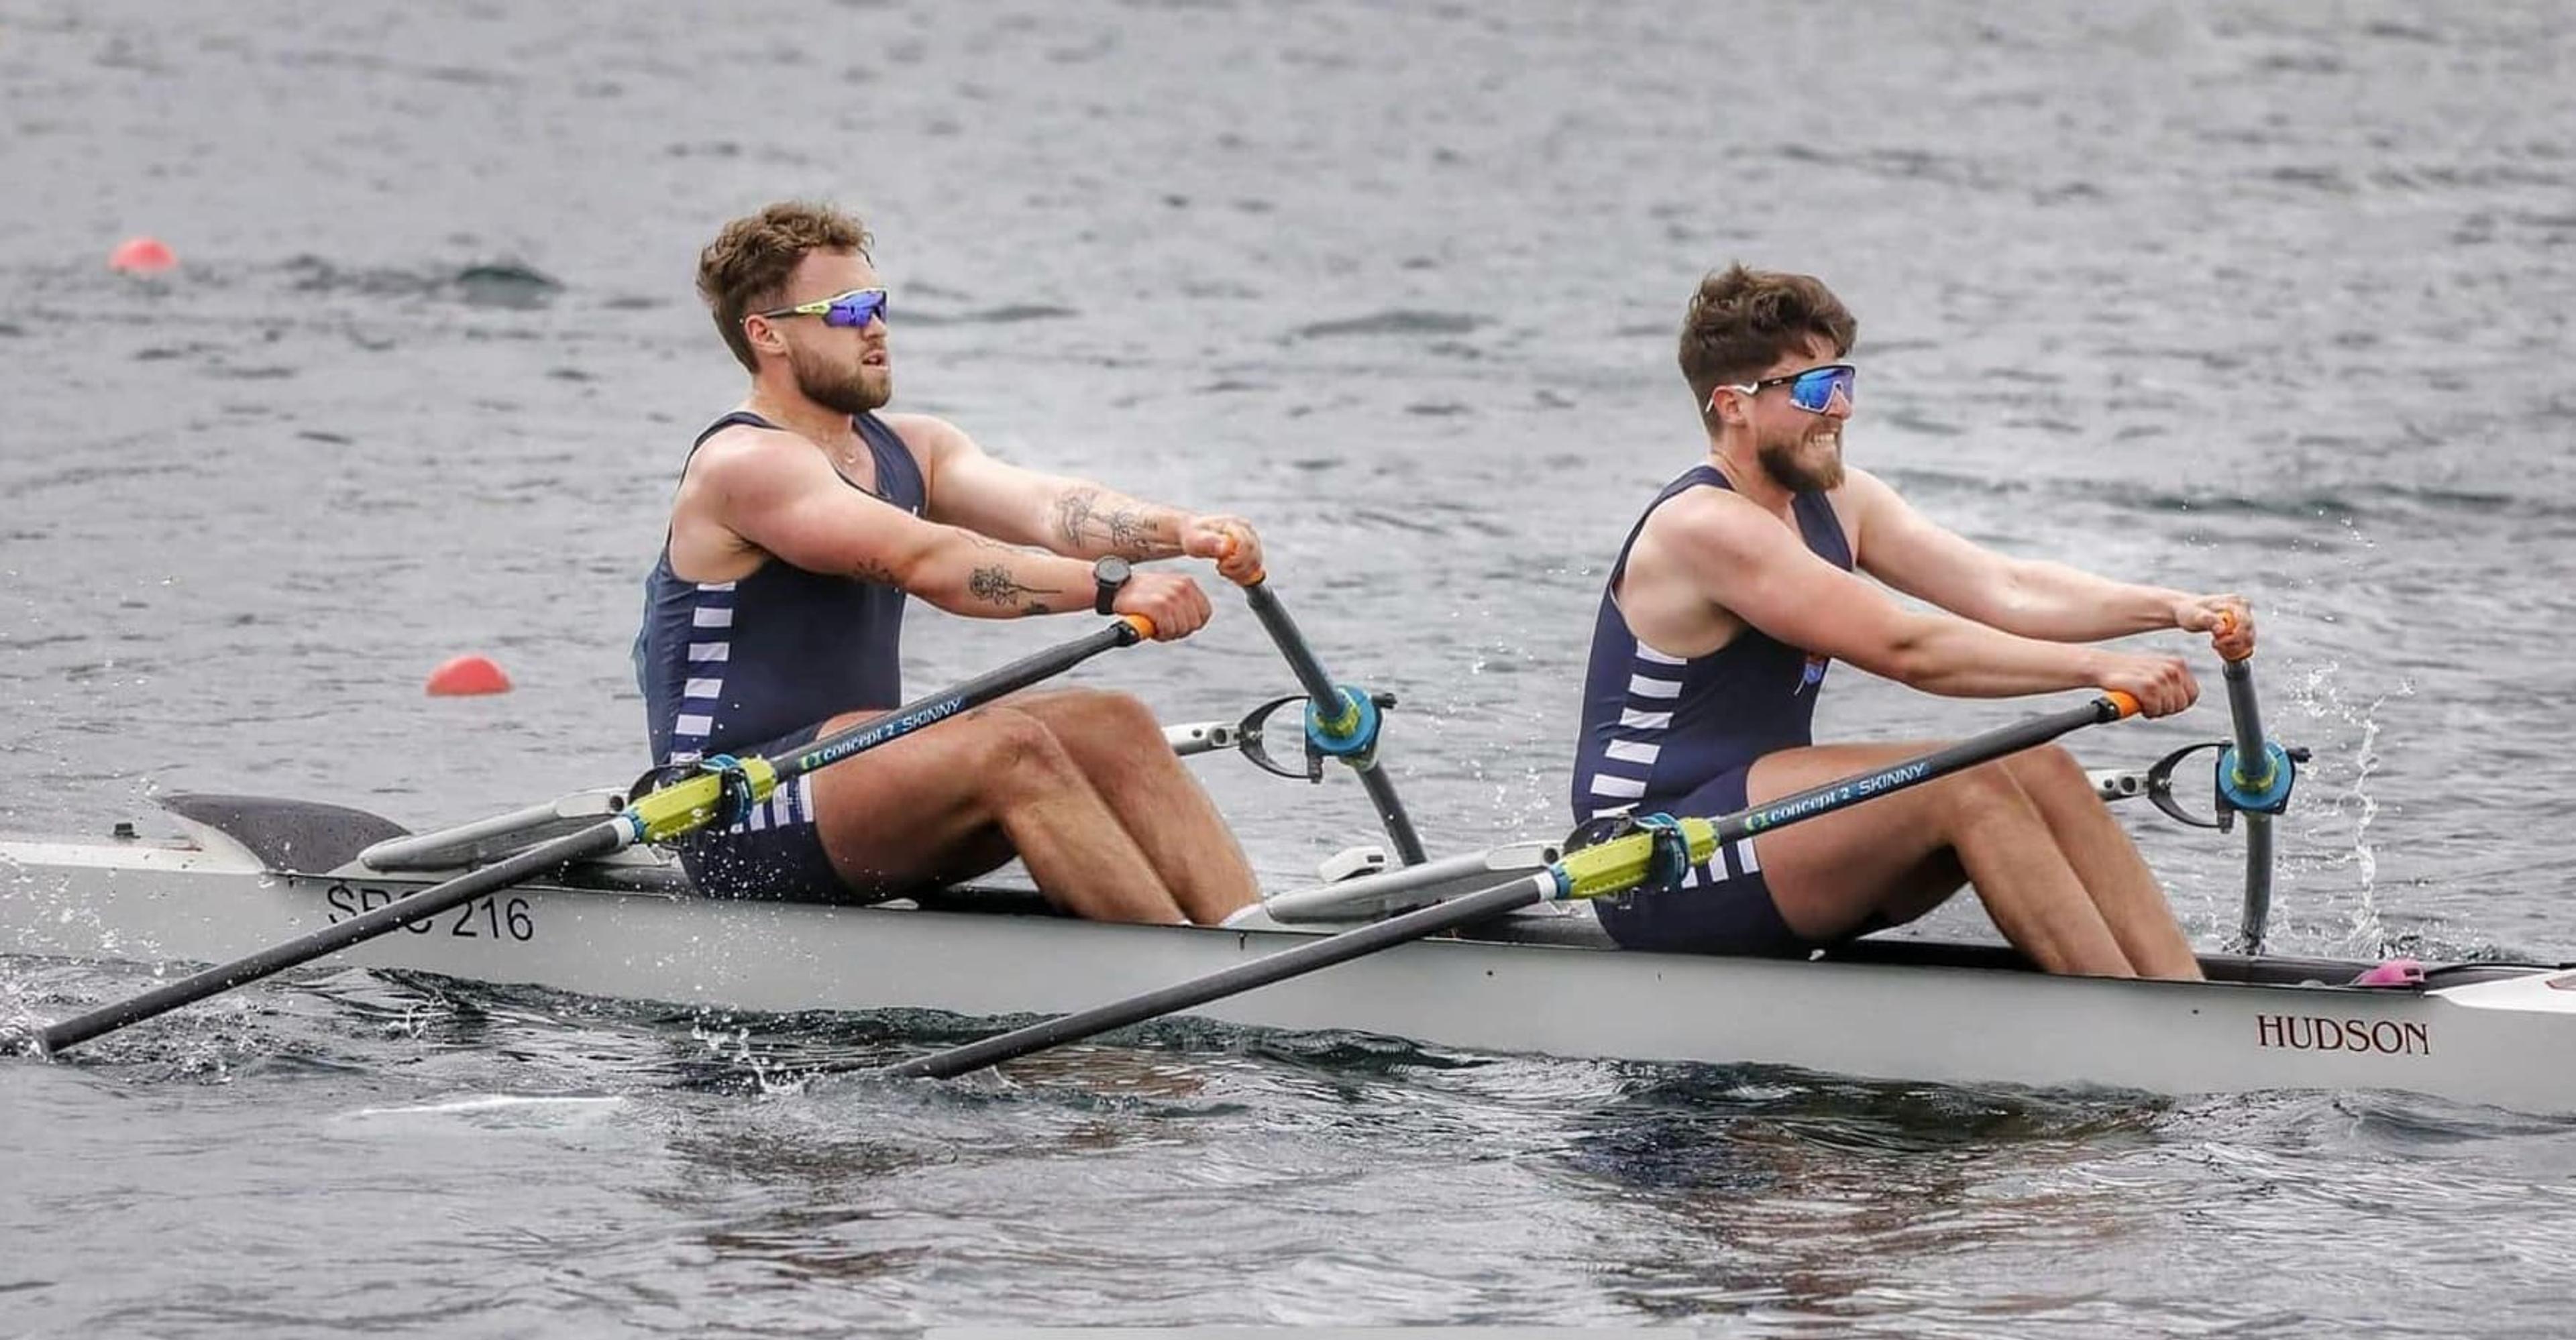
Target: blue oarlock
x: 1357, y: 736
x: 2264, y: 791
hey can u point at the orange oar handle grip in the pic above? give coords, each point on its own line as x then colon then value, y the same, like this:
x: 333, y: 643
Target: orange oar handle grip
x: 2126, y: 705
x: 2227, y: 625
x: 1144, y: 627
x: 1228, y: 552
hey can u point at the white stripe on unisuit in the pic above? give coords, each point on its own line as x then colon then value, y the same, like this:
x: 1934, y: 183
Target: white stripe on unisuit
x: 1605, y: 811
x: 697, y: 725
x: 805, y: 795
x: 710, y: 651
x: 1603, y: 784
x: 1646, y: 653
x: 715, y: 586
x: 712, y: 616
x: 1630, y: 751
x: 1744, y: 857
x: 1643, y: 687
x: 702, y: 688
x: 1633, y: 719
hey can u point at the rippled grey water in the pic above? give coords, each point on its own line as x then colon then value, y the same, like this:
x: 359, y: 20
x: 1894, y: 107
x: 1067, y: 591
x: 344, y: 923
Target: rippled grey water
x: 2271, y: 296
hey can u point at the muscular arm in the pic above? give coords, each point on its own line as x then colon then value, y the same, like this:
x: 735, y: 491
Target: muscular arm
x: 778, y: 494
x: 2032, y: 598
x: 1714, y: 547
x: 1067, y: 516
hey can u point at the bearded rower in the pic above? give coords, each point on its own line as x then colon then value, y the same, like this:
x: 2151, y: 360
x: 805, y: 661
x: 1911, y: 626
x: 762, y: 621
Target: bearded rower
x: 803, y: 522
x: 1736, y: 591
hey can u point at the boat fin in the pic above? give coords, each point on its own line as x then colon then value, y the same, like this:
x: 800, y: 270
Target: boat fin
x: 298, y: 836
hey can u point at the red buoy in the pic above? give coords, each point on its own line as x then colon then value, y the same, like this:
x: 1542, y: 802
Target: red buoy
x: 467, y: 675
x: 143, y: 256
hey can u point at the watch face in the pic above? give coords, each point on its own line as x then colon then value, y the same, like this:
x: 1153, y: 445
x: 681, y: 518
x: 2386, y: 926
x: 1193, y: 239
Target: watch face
x: 1107, y: 576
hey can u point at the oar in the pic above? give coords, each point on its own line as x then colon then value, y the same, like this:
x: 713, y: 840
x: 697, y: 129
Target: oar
x: 671, y: 812
x: 1608, y: 868
x: 1342, y: 722
x: 2254, y: 779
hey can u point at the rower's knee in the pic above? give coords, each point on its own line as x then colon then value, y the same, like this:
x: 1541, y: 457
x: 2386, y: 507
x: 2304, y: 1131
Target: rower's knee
x: 1987, y: 794
x: 1126, y: 715
x: 1014, y: 751
x: 1110, y: 729
x: 2050, y: 768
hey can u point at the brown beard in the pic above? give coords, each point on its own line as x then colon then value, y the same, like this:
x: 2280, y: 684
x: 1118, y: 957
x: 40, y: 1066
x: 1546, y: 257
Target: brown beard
x: 1779, y: 459
x: 843, y: 388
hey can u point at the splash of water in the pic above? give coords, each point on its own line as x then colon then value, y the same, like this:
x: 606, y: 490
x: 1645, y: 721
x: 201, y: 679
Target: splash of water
x: 733, y: 1049
x: 2349, y: 806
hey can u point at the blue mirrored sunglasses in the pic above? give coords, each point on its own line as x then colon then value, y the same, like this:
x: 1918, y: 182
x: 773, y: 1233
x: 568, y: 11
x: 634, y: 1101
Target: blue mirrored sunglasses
x: 857, y: 307
x: 1812, y: 390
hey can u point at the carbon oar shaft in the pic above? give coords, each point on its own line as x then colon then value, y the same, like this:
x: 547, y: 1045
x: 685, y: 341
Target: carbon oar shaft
x: 1322, y: 953
x: 1499, y: 899
x: 672, y: 811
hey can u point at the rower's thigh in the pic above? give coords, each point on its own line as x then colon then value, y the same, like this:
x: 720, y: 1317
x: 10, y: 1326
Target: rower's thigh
x: 1886, y: 859
x: 926, y: 809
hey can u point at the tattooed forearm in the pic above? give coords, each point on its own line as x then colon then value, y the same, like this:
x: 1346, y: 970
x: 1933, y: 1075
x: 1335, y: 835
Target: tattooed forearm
x: 870, y: 570
x: 1073, y: 509
x: 994, y: 585
x: 1092, y: 522
x: 1128, y: 532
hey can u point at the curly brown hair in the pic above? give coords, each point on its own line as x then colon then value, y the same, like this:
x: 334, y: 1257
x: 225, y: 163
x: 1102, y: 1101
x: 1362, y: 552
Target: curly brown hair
x: 1742, y: 321
x: 746, y: 267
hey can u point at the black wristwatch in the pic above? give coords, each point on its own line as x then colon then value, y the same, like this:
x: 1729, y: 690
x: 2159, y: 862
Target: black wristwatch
x: 1107, y: 576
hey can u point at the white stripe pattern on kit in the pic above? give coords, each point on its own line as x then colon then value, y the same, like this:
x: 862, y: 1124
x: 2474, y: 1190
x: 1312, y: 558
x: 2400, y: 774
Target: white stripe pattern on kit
x: 1627, y: 764
x: 690, y: 730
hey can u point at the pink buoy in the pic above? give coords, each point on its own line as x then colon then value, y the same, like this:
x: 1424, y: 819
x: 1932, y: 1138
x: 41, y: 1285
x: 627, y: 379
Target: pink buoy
x: 142, y: 255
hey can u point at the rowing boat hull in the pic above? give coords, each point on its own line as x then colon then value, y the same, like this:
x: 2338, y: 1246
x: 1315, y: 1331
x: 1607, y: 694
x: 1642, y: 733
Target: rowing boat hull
x: 2508, y: 1040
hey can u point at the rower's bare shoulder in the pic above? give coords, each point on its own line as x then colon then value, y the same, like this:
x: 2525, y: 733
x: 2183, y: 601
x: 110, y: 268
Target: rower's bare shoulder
x: 744, y: 456
x: 742, y: 441
x: 1706, y: 524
